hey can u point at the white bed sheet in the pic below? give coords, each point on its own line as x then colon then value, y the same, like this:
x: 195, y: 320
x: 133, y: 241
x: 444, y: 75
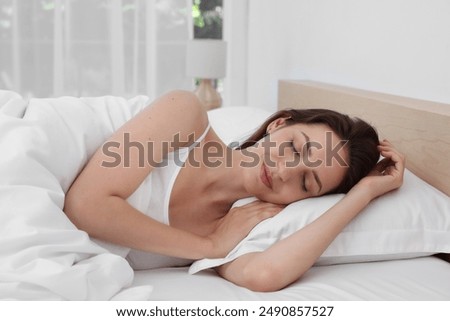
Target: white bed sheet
x: 44, y: 143
x: 39, y: 260
x: 422, y: 279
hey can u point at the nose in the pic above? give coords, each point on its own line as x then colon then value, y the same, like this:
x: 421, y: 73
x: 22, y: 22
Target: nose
x: 287, y: 170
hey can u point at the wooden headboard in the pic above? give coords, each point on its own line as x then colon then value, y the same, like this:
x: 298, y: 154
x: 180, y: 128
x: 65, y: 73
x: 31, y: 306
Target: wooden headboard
x: 419, y: 129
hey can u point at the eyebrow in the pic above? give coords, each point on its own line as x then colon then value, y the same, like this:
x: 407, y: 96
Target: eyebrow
x: 308, y: 150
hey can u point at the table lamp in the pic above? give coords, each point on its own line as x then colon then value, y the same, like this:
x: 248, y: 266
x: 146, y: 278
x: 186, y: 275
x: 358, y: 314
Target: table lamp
x: 206, y: 60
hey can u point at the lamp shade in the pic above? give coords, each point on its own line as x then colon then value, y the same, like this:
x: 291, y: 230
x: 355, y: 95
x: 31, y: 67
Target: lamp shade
x: 206, y: 58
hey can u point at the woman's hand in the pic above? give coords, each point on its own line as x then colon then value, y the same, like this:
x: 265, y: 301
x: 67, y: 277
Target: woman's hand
x: 387, y: 174
x: 237, y: 223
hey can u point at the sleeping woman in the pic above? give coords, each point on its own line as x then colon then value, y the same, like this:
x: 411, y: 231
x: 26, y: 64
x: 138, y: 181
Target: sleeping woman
x: 162, y: 187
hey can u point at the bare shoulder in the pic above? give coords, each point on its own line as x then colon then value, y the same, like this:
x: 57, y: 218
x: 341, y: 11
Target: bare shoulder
x: 131, y: 153
x: 177, y: 112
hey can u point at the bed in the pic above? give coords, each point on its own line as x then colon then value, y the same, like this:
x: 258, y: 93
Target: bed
x: 45, y: 143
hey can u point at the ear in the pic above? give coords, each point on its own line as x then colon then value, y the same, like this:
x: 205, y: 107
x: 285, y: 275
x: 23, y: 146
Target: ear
x: 276, y: 124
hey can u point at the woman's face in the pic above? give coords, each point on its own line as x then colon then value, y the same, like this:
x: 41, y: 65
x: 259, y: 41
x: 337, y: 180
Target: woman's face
x: 296, y: 162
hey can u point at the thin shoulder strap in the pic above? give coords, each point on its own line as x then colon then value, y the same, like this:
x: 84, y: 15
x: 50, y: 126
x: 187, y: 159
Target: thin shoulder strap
x: 198, y: 140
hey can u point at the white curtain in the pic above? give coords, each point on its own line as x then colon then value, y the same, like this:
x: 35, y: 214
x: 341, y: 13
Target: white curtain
x: 235, y: 32
x: 94, y: 47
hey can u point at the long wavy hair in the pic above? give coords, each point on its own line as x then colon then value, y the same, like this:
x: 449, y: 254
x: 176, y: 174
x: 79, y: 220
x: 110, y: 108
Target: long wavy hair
x: 362, y: 139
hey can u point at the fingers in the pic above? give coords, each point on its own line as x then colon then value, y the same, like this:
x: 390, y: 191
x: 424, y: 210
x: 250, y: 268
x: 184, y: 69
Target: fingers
x: 253, y: 213
x: 262, y: 210
x: 261, y: 205
x: 383, y: 164
x: 268, y: 211
x: 393, y: 165
x: 237, y: 223
x: 387, y: 175
x: 392, y: 156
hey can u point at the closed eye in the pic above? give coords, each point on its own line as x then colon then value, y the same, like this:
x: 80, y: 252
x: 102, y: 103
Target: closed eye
x: 293, y: 148
x: 304, y: 183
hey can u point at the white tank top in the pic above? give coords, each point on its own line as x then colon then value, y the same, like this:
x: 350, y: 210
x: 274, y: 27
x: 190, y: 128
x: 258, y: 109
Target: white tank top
x: 152, y: 197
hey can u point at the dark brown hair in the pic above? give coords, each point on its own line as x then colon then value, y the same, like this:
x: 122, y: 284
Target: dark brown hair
x: 362, y: 139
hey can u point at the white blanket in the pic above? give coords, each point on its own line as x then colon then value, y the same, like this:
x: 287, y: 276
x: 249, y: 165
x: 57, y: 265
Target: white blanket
x: 43, y: 255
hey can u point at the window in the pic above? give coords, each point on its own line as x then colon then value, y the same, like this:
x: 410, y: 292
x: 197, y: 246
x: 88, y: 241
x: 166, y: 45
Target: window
x: 208, y: 17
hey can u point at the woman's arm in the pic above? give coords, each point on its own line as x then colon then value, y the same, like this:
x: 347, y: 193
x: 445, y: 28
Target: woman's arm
x: 96, y: 201
x: 287, y: 260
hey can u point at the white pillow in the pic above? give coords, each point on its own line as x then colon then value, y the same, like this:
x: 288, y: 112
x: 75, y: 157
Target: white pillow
x: 234, y: 124
x: 412, y: 221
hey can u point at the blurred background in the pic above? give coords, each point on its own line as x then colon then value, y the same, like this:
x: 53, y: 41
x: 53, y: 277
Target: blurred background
x: 100, y: 47
x: 52, y: 48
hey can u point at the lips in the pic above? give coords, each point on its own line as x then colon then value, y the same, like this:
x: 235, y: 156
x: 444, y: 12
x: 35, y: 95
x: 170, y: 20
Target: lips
x: 265, y: 176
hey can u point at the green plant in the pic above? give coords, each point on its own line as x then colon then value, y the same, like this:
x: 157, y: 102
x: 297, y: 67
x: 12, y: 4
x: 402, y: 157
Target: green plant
x: 207, y: 16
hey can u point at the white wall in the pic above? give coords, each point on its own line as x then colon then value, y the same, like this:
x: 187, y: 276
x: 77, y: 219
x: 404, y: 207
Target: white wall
x: 235, y: 32
x: 400, y: 47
